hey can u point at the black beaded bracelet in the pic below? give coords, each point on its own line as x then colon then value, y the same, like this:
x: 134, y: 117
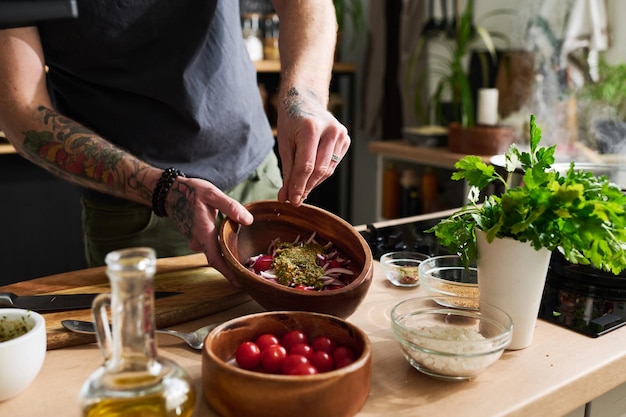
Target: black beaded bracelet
x: 162, y: 188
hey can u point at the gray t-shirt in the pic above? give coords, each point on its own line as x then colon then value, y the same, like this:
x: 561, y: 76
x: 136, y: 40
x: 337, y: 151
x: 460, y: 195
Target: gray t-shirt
x: 168, y: 80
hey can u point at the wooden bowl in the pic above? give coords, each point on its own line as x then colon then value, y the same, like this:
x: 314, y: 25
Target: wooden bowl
x: 232, y: 391
x: 281, y: 220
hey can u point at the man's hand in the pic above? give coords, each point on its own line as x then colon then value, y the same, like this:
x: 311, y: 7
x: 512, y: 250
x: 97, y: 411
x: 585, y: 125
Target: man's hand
x: 311, y: 142
x: 193, y: 204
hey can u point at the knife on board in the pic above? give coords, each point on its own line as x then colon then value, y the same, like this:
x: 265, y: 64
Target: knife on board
x: 56, y: 302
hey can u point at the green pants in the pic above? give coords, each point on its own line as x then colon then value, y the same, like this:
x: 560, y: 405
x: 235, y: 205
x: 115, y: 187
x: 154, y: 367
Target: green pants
x: 110, y: 224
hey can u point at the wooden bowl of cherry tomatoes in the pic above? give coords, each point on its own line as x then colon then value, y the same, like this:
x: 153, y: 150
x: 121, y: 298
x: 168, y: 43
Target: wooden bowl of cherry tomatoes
x: 288, y: 363
x: 346, y: 260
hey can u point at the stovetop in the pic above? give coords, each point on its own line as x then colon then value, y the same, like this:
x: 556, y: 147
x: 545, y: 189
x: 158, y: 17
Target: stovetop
x: 578, y: 297
x: 408, y: 236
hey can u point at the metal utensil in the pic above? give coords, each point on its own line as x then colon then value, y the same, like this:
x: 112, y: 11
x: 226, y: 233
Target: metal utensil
x: 193, y: 339
x: 47, y: 303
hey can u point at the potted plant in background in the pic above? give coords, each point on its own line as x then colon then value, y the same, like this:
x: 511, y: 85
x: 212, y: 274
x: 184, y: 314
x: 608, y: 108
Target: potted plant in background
x: 603, y: 103
x: 452, y: 102
x: 511, y: 236
x: 352, y: 10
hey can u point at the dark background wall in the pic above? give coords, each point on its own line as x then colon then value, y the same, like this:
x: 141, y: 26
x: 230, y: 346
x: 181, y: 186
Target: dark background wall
x: 40, y: 228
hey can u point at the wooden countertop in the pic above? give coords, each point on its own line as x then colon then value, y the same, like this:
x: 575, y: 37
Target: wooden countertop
x: 559, y: 372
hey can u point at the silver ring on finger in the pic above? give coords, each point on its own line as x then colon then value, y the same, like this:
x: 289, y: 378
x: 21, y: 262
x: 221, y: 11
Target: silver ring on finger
x: 334, y: 158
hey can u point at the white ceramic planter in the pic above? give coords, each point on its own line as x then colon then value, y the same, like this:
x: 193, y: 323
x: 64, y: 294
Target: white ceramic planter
x: 512, y: 275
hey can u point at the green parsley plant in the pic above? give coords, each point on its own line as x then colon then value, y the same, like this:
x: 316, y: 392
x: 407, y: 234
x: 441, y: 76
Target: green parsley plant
x: 578, y: 213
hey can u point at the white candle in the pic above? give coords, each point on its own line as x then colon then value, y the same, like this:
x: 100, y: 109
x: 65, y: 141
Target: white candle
x: 487, y: 106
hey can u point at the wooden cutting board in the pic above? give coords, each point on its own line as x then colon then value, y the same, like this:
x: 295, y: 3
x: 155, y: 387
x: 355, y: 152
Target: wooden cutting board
x: 203, y: 291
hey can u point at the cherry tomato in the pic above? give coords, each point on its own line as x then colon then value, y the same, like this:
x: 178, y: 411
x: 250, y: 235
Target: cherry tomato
x: 301, y: 349
x: 291, y: 361
x: 301, y: 287
x: 322, y: 361
x: 263, y: 263
x: 293, y: 337
x: 272, y: 358
x: 248, y: 355
x: 266, y: 340
x: 342, y: 352
x: 323, y: 343
x: 343, y: 362
x: 303, y: 369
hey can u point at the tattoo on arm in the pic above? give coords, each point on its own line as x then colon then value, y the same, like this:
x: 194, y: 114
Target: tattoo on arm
x: 72, y: 151
x: 293, y: 103
x: 183, y: 197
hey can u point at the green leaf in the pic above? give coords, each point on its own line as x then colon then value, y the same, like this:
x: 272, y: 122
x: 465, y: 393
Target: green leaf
x: 535, y: 134
x: 475, y: 171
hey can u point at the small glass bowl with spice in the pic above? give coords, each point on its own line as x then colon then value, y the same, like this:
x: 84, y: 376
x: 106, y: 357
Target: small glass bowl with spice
x: 401, y: 268
x: 447, y: 276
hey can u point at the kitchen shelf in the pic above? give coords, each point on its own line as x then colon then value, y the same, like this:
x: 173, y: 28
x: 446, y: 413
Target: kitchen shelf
x: 5, y: 146
x: 6, y: 149
x: 402, y: 151
x: 273, y: 66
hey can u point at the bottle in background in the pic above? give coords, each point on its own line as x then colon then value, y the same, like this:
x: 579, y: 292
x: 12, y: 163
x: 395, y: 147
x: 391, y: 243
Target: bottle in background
x: 391, y: 192
x: 252, y: 34
x: 409, y: 194
x: 428, y: 186
x: 270, y: 37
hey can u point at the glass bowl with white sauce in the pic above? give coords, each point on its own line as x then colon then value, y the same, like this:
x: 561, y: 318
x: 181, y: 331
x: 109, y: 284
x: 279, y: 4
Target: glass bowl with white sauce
x: 450, y: 343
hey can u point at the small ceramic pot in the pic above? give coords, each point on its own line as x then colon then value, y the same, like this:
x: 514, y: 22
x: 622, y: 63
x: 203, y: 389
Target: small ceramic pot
x: 480, y: 139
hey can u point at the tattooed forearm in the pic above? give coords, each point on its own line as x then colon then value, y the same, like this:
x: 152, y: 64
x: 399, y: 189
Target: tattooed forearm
x: 73, y: 151
x: 136, y: 180
x: 71, y: 148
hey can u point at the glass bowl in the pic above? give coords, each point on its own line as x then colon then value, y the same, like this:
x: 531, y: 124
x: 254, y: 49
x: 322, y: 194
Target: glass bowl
x: 450, y: 343
x: 447, y: 276
x: 401, y: 268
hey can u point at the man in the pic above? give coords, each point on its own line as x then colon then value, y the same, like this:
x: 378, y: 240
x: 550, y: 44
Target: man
x: 152, y: 109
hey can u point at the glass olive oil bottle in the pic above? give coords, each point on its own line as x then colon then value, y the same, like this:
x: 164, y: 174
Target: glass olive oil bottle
x: 133, y: 380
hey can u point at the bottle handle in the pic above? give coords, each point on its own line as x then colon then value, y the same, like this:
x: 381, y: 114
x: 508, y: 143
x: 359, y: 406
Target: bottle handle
x: 103, y: 330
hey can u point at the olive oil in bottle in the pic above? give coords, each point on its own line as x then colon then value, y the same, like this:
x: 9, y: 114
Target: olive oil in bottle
x: 148, y: 406
x: 133, y: 381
